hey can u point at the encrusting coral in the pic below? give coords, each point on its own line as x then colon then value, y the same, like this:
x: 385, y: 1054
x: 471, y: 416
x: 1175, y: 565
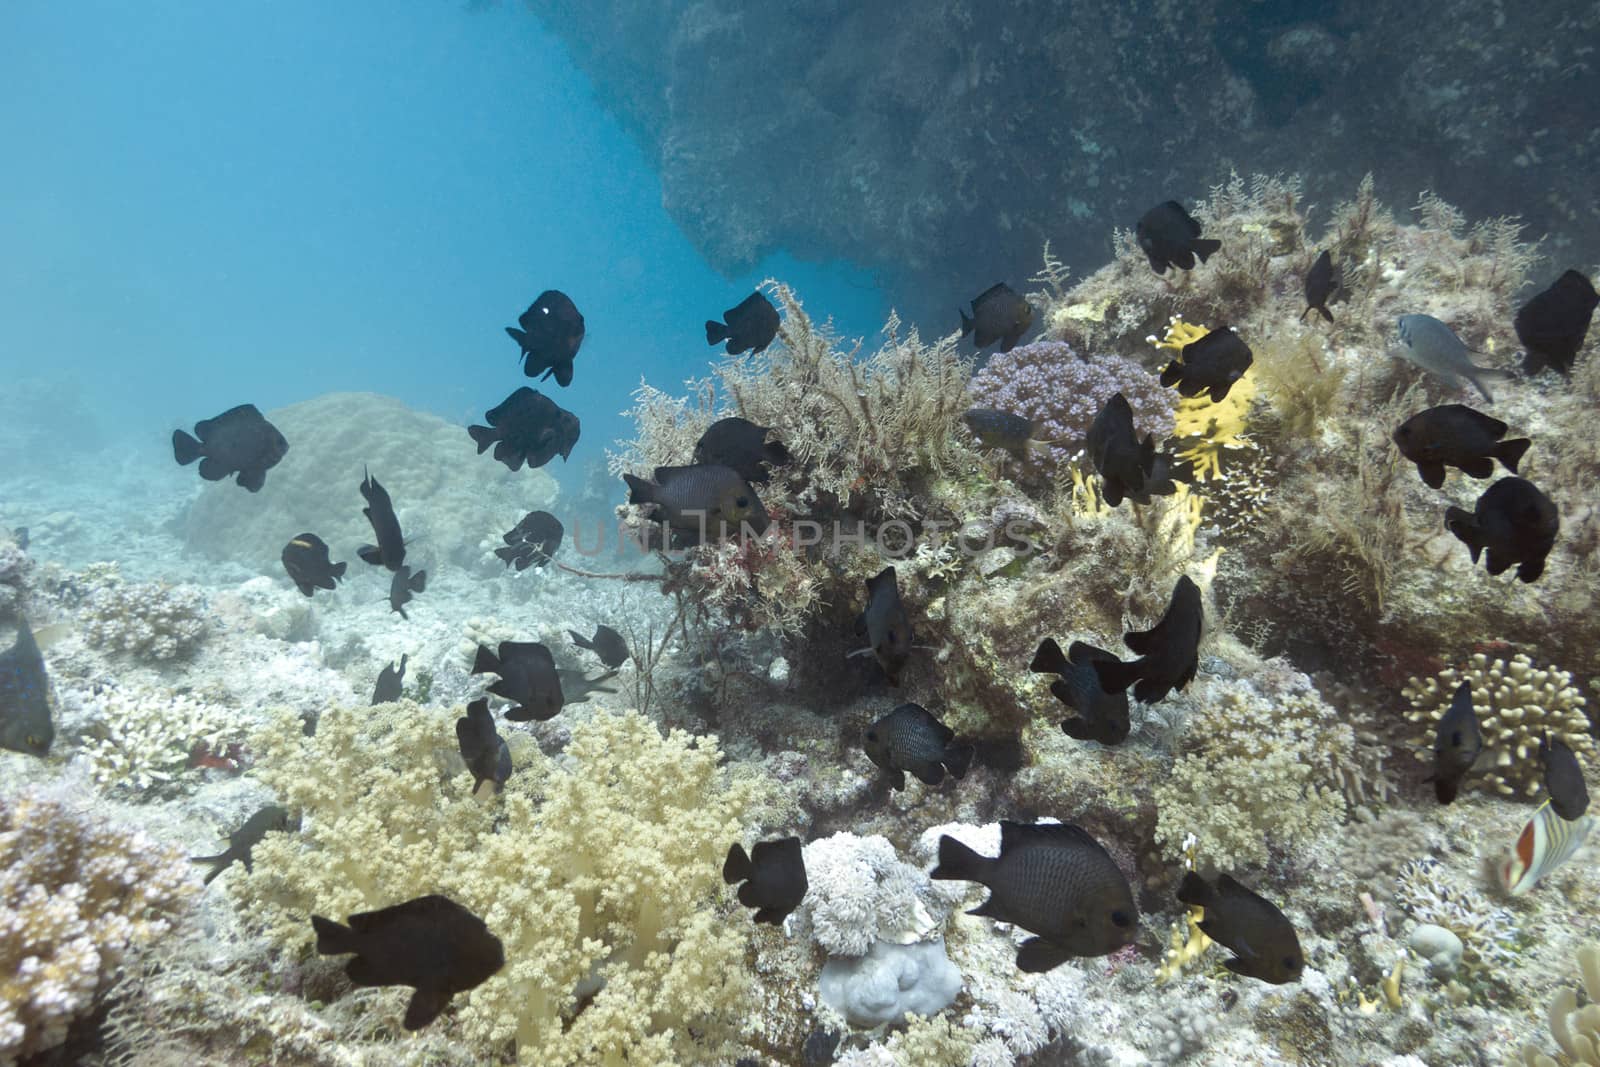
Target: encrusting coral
x: 1516, y: 704
x: 599, y: 873
x: 149, y: 620
x: 78, y: 894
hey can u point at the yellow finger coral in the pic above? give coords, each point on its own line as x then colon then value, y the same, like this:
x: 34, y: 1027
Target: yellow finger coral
x: 77, y: 894
x: 600, y: 874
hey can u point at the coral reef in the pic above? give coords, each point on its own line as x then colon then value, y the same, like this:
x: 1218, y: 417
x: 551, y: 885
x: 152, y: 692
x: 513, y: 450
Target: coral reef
x: 1576, y: 1030
x: 599, y: 874
x: 1062, y: 392
x: 1432, y: 894
x: 146, y: 620
x: 14, y: 570
x: 78, y: 895
x: 861, y: 892
x: 137, y: 737
x: 447, y: 498
x: 1516, y: 703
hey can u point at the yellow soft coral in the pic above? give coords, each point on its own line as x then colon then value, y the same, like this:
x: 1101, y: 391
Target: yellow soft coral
x: 1206, y: 428
x: 600, y: 875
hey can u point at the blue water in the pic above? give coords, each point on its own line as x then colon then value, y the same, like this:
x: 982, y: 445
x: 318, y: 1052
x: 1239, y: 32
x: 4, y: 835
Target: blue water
x: 208, y: 204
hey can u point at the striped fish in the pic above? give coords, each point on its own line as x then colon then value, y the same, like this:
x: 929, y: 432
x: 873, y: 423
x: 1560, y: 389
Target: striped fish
x: 1545, y: 843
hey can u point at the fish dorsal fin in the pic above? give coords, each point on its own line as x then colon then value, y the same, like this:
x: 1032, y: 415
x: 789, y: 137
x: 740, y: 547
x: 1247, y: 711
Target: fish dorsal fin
x: 1022, y: 834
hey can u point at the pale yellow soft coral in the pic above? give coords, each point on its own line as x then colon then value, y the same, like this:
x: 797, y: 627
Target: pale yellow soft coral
x: 599, y: 871
x: 77, y: 894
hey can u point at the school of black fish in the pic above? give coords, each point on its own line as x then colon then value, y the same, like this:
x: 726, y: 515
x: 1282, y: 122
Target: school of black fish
x: 1053, y: 880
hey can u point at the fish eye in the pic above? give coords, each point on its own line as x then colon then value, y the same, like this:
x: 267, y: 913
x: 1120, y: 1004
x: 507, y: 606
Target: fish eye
x: 872, y: 735
x: 1120, y: 918
x: 741, y: 501
x: 1291, y: 963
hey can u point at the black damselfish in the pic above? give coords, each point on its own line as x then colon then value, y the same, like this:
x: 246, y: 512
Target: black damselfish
x: 1552, y: 326
x: 390, y: 680
x: 306, y: 561
x: 1101, y: 716
x: 527, y: 427
x: 748, y: 327
x: 1170, y: 237
x: 532, y: 542
x: 270, y: 819
x: 1514, y: 523
x: 909, y: 738
x: 552, y: 331
x: 482, y: 748
x: 1249, y: 925
x: 25, y: 724
x: 998, y: 314
x: 240, y: 440
x: 528, y: 678
x: 390, y: 551
x: 1454, y: 435
x: 1169, y: 652
x: 774, y: 877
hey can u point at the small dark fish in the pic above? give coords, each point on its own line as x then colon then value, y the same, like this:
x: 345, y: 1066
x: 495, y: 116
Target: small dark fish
x: 909, y: 738
x: 774, y: 877
x: 1165, y: 474
x: 239, y: 440
x: 706, y: 499
x: 1261, y: 938
x: 820, y: 1047
x: 532, y: 542
x: 1455, y: 435
x: 1514, y: 522
x: 606, y: 643
x: 750, y: 327
x: 307, y: 563
x: 1169, y: 652
x: 1552, y: 326
x: 1002, y: 429
x: 1434, y: 347
x: 577, y: 688
x: 402, y: 586
x: 387, y: 691
x: 25, y: 724
x: 1101, y: 716
x: 1119, y: 457
x: 528, y: 678
x: 268, y: 820
x: 886, y: 625
x: 487, y: 755
x: 431, y: 943
x: 998, y: 314
x: 1323, y: 280
x: 552, y: 331
x: 390, y: 551
x: 20, y: 535
x: 1212, y: 363
x: 527, y: 427
x: 1170, y: 237
x: 1563, y: 779
x: 1457, y: 741
x: 1053, y: 880
x: 743, y: 446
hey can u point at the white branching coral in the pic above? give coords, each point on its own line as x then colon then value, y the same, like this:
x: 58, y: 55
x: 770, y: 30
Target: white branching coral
x: 1429, y: 893
x: 861, y: 892
x: 1575, y: 1029
x: 150, y: 620
x: 139, y: 737
x: 1516, y: 703
x: 77, y: 894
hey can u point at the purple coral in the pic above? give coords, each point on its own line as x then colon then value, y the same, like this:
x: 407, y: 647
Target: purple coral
x: 1048, y: 382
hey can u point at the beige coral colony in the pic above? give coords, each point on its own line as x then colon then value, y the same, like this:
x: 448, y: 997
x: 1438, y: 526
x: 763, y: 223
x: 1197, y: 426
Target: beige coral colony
x: 1055, y: 695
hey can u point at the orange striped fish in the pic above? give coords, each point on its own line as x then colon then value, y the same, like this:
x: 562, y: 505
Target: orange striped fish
x: 1545, y: 843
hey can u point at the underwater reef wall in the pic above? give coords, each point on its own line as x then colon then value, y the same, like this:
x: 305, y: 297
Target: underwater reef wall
x: 943, y: 142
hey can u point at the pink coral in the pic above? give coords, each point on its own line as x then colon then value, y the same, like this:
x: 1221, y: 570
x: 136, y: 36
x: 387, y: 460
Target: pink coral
x: 1061, y: 392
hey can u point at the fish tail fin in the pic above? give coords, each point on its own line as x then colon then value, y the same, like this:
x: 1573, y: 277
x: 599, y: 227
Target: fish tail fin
x: 639, y: 490
x: 1195, y: 891
x: 219, y: 863
x: 966, y: 324
x: 185, y: 449
x: 957, y: 759
x: 483, y: 436
x: 334, y: 939
x: 960, y: 863
x: 737, y: 867
x: 337, y: 569
x: 1510, y: 452
x: 1488, y: 397
x: 485, y: 662
x: 1323, y: 309
x: 1049, y: 659
x: 1444, y: 789
x: 1465, y: 528
x: 1172, y: 374
x: 1204, y: 247
x: 716, y: 332
x: 580, y: 640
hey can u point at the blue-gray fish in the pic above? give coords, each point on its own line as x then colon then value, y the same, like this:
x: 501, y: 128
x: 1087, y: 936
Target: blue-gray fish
x: 1004, y: 430
x: 1434, y: 347
x: 576, y: 687
x: 240, y: 440
x: 268, y: 820
x: 25, y: 724
x: 486, y: 753
x: 1052, y: 880
x: 909, y: 738
x: 707, y: 500
x: 774, y: 877
x: 1101, y: 716
x: 1457, y: 741
x: 431, y: 943
x: 1261, y: 938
